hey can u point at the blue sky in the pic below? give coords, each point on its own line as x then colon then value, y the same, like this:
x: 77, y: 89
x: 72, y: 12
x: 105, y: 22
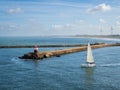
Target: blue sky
x: 59, y: 17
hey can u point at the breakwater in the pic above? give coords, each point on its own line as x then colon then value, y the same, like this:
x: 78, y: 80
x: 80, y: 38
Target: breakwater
x: 58, y: 53
x: 43, y: 46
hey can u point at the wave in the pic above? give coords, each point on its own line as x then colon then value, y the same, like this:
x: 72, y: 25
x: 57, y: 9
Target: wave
x: 108, y: 65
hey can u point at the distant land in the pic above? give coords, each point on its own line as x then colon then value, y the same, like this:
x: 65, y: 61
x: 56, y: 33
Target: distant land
x: 98, y: 36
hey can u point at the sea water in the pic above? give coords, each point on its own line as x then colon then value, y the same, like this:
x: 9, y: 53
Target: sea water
x: 58, y: 73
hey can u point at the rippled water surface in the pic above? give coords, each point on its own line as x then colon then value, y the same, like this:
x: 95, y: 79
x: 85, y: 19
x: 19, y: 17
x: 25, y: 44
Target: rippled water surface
x: 58, y: 73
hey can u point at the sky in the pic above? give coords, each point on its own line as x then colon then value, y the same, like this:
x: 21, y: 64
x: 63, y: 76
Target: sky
x: 59, y: 17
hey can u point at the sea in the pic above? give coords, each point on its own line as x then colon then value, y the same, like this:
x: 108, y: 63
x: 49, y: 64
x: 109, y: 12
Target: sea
x: 58, y: 73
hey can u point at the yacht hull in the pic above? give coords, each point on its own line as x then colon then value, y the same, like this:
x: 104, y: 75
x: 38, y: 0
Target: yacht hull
x: 88, y: 65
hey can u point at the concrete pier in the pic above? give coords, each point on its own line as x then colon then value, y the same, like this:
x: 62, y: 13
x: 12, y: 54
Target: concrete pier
x: 57, y: 53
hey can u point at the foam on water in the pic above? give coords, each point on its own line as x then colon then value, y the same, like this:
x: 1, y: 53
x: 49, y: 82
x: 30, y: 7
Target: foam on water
x: 109, y: 65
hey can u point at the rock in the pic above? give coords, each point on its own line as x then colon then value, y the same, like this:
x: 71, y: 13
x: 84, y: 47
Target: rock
x: 48, y: 55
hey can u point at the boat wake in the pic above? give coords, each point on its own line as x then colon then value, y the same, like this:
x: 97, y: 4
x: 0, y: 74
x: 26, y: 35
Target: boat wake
x: 109, y: 65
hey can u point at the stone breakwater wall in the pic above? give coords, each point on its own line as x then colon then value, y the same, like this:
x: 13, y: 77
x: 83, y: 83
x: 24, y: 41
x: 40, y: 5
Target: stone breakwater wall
x: 58, y: 53
x: 41, y: 46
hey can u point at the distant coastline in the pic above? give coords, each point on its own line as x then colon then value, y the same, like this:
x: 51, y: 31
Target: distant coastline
x: 98, y: 36
x: 74, y: 36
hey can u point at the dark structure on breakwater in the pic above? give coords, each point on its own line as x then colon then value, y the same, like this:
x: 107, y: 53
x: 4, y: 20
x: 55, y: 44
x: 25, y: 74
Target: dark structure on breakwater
x: 57, y: 53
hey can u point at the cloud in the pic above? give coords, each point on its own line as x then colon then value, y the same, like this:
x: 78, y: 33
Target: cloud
x: 74, y: 25
x: 15, y: 10
x: 80, y: 21
x: 99, y: 8
x: 60, y: 27
x: 118, y: 17
x: 13, y: 26
x: 56, y: 27
x: 118, y: 22
x: 9, y: 26
x: 101, y: 20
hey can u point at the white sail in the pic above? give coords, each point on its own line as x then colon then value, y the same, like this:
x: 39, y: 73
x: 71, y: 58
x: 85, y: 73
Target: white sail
x: 90, y: 58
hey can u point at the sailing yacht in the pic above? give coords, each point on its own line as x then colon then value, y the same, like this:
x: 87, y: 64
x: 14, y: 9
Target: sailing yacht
x: 90, y: 60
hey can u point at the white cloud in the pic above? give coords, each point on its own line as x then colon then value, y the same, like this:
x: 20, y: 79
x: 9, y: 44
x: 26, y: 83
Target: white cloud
x: 100, y: 7
x: 57, y: 27
x: 80, y: 21
x: 118, y: 17
x: 118, y: 22
x: 60, y: 27
x: 101, y: 20
x: 12, y: 26
x: 74, y: 25
x: 15, y: 10
x: 32, y: 20
x: 9, y: 26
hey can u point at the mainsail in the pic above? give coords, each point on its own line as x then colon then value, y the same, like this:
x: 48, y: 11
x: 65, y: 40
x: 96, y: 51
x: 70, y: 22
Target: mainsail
x: 90, y: 58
